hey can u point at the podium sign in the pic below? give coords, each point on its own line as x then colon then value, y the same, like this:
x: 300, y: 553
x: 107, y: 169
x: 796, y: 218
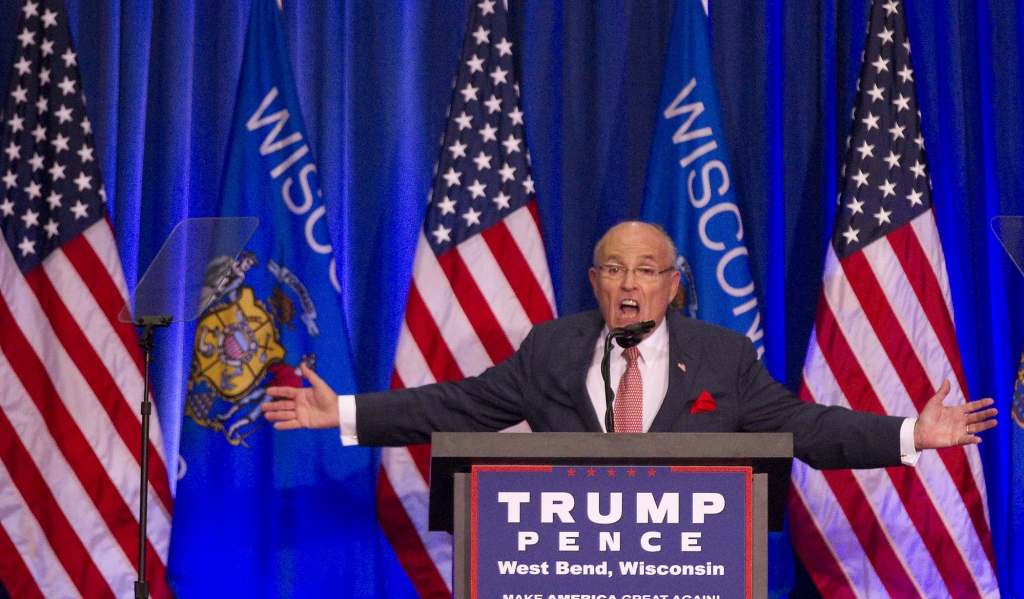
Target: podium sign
x: 610, y: 532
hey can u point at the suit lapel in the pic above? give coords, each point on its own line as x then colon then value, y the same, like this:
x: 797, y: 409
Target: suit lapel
x: 680, y: 383
x: 582, y: 353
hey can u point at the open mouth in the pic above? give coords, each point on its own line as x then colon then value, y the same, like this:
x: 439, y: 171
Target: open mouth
x: 629, y: 309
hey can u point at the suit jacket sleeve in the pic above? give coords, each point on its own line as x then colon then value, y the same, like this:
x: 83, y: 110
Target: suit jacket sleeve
x: 824, y: 437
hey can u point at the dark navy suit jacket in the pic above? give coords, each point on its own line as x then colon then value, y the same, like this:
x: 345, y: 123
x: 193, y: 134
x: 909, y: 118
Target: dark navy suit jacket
x: 544, y: 383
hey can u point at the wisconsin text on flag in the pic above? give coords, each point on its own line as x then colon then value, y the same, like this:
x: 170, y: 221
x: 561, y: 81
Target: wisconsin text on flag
x: 480, y: 278
x: 884, y: 341
x: 70, y: 373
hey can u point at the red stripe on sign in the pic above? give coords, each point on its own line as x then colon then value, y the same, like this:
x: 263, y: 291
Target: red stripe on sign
x: 396, y: 380
x: 517, y: 271
x: 475, y: 306
x: 408, y: 545
x: 98, y: 377
x: 428, y: 338
x: 815, y: 552
x: 83, y: 257
x: 421, y: 457
x: 919, y: 506
x: 14, y: 573
x: 61, y: 536
x: 914, y: 261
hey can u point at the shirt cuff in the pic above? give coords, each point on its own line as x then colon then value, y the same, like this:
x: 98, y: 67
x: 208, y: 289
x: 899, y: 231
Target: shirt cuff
x: 347, y: 419
x: 908, y: 453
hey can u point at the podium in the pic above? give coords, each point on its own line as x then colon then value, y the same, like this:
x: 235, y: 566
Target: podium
x: 768, y: 456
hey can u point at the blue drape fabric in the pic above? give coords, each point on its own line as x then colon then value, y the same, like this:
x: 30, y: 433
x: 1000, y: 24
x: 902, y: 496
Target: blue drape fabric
x: 374, y: 81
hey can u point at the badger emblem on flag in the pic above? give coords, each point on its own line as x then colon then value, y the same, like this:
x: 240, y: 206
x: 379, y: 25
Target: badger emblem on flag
x: 238, y: 351
x: 1017, y: 407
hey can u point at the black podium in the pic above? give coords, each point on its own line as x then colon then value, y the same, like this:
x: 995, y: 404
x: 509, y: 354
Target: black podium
x: 453, y: 456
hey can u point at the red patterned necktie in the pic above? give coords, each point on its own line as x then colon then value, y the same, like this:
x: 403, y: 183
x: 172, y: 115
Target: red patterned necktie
x: 629, y: 399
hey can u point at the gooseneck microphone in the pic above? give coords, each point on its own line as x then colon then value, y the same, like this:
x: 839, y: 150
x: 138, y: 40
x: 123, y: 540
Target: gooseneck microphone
x: 627, y: 337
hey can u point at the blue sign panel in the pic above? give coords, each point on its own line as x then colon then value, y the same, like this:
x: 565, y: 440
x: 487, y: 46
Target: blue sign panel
x: 611, y: 532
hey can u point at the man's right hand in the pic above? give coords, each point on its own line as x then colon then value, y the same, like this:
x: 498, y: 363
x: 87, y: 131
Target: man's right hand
x: 306, y: 407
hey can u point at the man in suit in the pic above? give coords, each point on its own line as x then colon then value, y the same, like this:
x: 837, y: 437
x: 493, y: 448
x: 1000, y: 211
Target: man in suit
x: 684, y: 376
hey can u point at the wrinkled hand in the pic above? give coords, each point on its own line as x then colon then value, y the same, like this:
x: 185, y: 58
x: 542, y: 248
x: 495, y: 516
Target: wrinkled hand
x: 941, y: 426
x: 309, y: 407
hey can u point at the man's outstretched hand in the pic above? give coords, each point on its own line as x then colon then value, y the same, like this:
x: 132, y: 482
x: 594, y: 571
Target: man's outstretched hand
x: 309, y: 407
x: 941, y: 426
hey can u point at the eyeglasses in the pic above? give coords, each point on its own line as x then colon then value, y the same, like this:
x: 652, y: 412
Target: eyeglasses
x: 617, y: 272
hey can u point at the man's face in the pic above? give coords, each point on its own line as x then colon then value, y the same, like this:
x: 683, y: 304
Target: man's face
x: 628, y: 299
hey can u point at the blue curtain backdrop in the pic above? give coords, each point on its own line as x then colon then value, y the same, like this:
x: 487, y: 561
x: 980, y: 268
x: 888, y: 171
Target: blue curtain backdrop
x: 374, y: 83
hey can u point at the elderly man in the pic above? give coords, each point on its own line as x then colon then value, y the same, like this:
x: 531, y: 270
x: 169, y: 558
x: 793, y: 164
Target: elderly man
x: 684, y: 376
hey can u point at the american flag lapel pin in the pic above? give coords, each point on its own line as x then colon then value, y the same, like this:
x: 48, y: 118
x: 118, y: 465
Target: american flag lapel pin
x: 681, y: 366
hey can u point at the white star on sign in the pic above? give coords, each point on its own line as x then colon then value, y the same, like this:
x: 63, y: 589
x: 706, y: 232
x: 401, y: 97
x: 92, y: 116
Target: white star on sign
x: 511, y: 144
x: 475, y: 64
x: 919, y: 140
x: 915, y: 198
x: 861, y: 178
x: 10, y: 179
x: 41, y: 104
x: 39, y: 133
x: 70, y: 58
x: 876, y: 93
x: 871, y: 121
x: 13, y: 151
x: 464, y: 120
x: 508, y: 173
x: 47, y: 49
x: 890, y: 7
x: 80, y: 210
x: 458, y: 149
x: 866, y: 150
x: 57, y: 171
x: 33, y: 190
x: 30, y: 9
x: 516, y: 116
x: 54, y: 200
x: 472, y: 217
x: 64, y: 114
x: 17, y: 123
x: 851, y: 235
x: 886, y: 35
x: 493, y: 105
x: 60, y: 142
x: 498, y: 76
x: 447, y: 206
x: 501, y: 200
x: 83, y: 182
x: 903, y: 103
x: 504, y: 47
x: 20, y: 94
x: 528, y: 184
x: 51, y: 228
x: 881, y: 65
x: 27, y: 247
x: 86, y: 126
x: 888, y: 188
x: 918, y: 169
x: 478, y: 189
x: 882, y: 216
x: 487, y: 133
x: 441, y: 234
x: 483, y: 36
x: 906, y: 73
x: 28, y: 38
x: 469, y: 92
x: 36, y: 161
x: 483, y: 161
x: 49, y: 18
x: 893, y: 159
x: 897, y: 131
x: 85, y: 152
x: 24, y: 66
x: 31, y: 218
x: 452, y: 177
x: 67, y: 86
x: 486, y: 8
x: 855, y: 206
x: 7, y: 208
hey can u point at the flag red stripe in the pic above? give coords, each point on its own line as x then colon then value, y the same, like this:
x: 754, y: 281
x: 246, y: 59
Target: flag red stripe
x: 99, y: 379
x: 14, y: 574
x: 920, y: 508
x: 428, y: 338
x: 421, y: 457
x: 70, y: 440
x: 408, y: 545
x: 517, y: 270
x: 475, y: 306
x: 915, y: 379
x: 815, y: 553
x: 62, y: 537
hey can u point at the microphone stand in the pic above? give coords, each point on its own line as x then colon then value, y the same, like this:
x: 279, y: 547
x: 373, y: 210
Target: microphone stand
x: 627, y: 336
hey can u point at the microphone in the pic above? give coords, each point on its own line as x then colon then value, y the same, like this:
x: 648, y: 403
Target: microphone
x: 627, y: 337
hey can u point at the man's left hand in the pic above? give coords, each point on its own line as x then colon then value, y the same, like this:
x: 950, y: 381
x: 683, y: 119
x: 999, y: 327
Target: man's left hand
x: 941, y: 426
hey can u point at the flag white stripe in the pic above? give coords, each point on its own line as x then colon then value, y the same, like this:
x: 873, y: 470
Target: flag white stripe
x: 101, y: 237
x: 410, y: 364
x: 451, y: 321
x: 524, y: 230
x: 928, y: 236
x: 30, y: 541
x: 413, y: 493
x: 499, y: 295
x: 64, y: 486
x: 104, y: 340
x: 81, y: 403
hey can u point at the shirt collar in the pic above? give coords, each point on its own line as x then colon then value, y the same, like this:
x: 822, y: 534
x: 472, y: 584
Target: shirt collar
x: 651, y: 348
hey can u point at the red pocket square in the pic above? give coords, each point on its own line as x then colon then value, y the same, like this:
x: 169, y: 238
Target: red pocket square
x: 704, y: 403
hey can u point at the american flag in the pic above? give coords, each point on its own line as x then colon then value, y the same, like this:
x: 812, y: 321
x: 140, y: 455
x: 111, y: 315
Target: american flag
x: 70, y: 373
x: 883, y: 342
x: 480, y: 278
